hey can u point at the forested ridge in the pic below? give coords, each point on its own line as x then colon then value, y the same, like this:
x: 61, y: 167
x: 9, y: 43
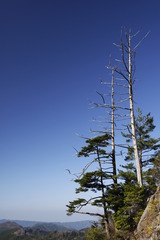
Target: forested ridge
x: 43, y: 231
x: 53, y: 235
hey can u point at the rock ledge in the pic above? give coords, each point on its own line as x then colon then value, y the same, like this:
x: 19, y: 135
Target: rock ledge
x: 149, y: 225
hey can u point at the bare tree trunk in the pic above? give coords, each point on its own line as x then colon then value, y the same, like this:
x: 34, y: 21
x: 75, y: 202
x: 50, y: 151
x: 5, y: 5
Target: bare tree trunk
x: 106, y: 229
x: 113, y: 133
x: 140, y: 159
x: 106, y: 223
x: 139, y: 176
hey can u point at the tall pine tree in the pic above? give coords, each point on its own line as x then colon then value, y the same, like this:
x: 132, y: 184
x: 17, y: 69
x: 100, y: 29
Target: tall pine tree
x: 146, y: 144
x: 95, y: 181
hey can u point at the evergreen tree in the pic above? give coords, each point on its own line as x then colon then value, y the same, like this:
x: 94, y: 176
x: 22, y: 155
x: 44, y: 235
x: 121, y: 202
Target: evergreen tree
x: 152, y: 175
x: 128, y: 201
x: 94, y: 181
x: 144, y: 126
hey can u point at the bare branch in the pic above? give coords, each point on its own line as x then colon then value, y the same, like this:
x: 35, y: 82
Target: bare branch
x: 77, y: 134
x: 75, y: 149
x: 122, y: 145
x: 123, y: 54
x: 117, y: 45
x: 120, y: 79
x: 124, y: 100
x: 118, y: 60
x: 101, y: 96
x: 121, y: 73
x: 106, y: 83
x: 120, y: 85
x: 135, y: 34
x: 141, y: 41
x: 126, y: 34
x: 90, y: 213
x: 86, y: 167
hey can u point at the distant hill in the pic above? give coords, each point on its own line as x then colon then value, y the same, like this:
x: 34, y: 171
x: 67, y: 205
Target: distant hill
x: 9, y: 226
x: 43, y: 231
x: 48, y: 227
x: 56, y: 235
x: 77, y: 225
x: 59, y: 225
x: 22, y: 223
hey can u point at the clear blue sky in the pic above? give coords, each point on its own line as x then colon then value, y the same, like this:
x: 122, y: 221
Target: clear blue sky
x: 52, y: 54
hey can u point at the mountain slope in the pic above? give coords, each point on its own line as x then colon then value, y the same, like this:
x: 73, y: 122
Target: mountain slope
x: 48, y: 227
x: 78, y: 225
x: 9, y: 226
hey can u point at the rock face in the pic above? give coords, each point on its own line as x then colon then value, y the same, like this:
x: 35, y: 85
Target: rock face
x: 19, y: 232
x: 149, y: 225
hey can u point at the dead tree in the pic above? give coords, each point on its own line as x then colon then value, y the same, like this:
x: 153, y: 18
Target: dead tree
x: 112, y: 106
x: 111, y: 131
x: 127, y: 72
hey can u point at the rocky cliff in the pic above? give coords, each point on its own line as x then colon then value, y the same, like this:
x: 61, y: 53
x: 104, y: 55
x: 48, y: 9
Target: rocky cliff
x: 149, y: 224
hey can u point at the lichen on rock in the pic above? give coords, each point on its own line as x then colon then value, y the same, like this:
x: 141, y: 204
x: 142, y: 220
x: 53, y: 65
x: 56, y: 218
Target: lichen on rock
x: 149, y: 225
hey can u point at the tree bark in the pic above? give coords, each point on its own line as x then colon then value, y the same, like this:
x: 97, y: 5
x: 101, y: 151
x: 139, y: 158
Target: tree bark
x: 138, y: 168
x: 113, y: 134
x: 106, y: 223
x: 106, y: 229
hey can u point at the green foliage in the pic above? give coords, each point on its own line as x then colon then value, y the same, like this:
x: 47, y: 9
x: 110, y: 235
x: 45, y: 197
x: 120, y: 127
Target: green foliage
x: 76, y: 204
x: 93, y: 144
x: 8, y: 234
x: 94, y: 181
x: 152, y: 175
x: 95, y: 233
x: 128, y: 215
x: 91, y: 181
x: 115, y: 197
x: 144, y: 126
x: 128, y: 200
x: 55, y: 235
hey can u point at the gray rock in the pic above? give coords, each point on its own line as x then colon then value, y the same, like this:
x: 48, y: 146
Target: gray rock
x: 149, y: 225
